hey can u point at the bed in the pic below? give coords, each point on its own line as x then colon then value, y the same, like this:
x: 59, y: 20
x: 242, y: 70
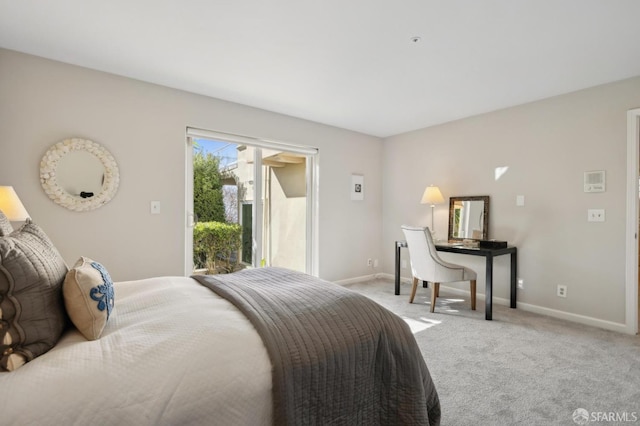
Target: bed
x: 258, y: 347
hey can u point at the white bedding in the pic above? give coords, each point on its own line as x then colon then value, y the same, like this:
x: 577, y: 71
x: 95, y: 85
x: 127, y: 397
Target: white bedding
x: 172, y: 353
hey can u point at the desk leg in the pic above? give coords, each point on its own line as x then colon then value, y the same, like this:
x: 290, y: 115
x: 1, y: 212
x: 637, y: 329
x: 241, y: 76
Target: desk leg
x: 397, y: 292
x: 488, y: 293
x: 514, y: 273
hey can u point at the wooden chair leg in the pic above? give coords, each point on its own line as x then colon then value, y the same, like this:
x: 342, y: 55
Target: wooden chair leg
x: 413, y: 289
x: 435, y: 287
x: 473, y: 295
x: 438, y: 290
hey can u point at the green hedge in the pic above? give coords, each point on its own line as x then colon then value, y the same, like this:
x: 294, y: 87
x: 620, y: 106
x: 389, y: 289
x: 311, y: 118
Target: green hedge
x: 216, y: 246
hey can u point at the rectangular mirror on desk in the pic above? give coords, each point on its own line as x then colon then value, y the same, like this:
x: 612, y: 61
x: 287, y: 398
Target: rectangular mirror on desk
x: 468, y: 218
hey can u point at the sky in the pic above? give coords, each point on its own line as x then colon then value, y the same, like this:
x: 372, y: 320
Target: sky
x: 225, y: 150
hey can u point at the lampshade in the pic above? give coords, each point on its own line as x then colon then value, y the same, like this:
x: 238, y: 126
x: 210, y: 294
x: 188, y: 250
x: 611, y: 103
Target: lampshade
x: 11, y: 205
x: 432, y: 195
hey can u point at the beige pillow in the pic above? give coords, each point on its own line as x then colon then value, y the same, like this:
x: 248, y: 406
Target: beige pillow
x: 88, y: 297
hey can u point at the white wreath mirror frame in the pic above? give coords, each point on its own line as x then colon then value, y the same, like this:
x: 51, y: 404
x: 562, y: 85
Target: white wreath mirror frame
x: 50, y: 174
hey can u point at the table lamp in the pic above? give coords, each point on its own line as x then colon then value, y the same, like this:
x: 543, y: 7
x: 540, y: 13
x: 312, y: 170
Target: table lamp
x: 11, y: 205
x: 433, y: 196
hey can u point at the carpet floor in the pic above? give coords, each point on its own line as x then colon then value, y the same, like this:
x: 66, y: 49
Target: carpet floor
x: 521, y: 368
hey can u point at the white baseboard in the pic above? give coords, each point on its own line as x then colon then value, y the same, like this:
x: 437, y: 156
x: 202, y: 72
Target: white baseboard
x: 357, y: 279
x: 580, y: 319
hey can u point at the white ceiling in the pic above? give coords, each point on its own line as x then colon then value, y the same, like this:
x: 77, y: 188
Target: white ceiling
x: 346, y: 63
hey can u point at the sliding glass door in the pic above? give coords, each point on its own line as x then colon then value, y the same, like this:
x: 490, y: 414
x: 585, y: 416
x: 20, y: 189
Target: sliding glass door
x: 269, y: 191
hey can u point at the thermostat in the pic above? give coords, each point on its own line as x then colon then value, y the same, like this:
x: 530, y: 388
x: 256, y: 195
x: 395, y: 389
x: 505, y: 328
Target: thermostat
x: 594, y: 181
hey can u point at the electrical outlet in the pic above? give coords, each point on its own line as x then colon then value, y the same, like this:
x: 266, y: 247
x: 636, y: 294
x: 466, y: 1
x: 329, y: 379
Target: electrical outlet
x: 595, y: 215
x: 520, y: 284
x: 155, y: 207
x: 403, y: 263
x: 369, y: 262
x: 562, y: 291
x: 375, y: 263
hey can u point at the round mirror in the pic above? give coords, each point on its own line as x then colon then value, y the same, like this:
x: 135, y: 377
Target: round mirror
x: 79, y: 174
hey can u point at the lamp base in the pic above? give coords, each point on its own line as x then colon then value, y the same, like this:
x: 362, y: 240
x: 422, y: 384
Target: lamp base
x: 432, y: 229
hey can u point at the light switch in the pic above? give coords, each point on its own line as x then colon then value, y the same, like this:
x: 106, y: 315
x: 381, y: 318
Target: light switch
x: 519, y: 200
x: 155, y: 207
x: 595, y: 215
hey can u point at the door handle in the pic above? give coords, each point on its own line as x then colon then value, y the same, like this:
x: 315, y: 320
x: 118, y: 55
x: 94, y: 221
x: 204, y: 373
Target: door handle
x: 191, y: 220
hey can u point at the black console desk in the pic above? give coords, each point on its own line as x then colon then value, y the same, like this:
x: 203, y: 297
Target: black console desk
x: 489, y: 254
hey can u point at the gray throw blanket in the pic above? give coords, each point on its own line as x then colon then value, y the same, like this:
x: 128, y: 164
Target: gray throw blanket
x: 338, y: 357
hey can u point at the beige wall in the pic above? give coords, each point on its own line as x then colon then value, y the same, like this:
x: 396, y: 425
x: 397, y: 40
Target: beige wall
x: 143, y: 126
x: 547, y: 146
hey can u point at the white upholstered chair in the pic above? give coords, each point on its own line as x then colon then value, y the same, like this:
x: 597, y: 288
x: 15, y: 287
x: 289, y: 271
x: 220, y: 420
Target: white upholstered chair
x: 427, y: 266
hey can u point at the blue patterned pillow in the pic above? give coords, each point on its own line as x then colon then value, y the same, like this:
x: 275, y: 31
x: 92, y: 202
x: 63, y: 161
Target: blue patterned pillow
x: 88, y: 297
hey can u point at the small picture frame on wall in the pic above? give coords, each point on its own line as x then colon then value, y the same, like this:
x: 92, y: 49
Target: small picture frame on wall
x: 357, y: 187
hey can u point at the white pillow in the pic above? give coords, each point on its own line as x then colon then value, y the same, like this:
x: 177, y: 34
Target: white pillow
x: 88, y: 297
